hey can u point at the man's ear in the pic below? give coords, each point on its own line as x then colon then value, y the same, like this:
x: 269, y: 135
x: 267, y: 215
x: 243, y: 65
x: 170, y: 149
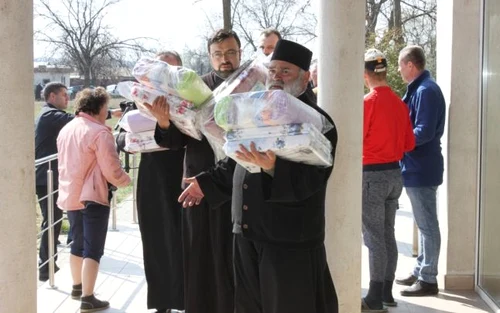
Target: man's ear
x: 307, y: 76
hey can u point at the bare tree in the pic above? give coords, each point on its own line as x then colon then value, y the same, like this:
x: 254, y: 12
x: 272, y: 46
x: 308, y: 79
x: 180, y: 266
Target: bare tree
x: 197, y: 60
x: 392, y: 24
x: 226, y: 13
x: 80, y: 35
x: 294, y: 19
x: 374, y: 9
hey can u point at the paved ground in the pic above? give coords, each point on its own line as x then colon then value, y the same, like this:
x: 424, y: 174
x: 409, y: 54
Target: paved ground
x: 121, y: 278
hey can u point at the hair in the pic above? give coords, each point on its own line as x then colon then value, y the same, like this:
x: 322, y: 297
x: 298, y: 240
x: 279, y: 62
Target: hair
x: 414, y: 54
x: 221, y: 35
x: 91, y: 101
x: 377, y: 76
x: 170, y: 53
x: 52, y: 88
x: 269, y: 31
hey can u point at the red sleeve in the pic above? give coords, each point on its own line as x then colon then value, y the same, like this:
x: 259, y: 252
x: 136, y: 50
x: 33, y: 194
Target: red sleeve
x: 369, y: 103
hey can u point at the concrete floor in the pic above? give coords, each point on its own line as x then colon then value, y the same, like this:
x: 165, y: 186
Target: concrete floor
x: 121, y: 278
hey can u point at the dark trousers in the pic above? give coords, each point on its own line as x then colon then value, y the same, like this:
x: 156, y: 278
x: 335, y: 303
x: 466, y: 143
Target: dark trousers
x: 41, y: 191
x: 90, y: 227
x: 272, y: 279
x: 208, y: 268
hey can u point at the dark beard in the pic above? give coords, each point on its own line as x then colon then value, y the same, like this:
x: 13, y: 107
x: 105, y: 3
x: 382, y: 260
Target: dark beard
x: 224, y: 74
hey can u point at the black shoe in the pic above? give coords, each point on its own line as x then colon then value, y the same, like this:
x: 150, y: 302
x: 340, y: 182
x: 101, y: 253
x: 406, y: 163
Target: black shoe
x: 365, y: 308
x: 373, y: 299
x: 387, y: 298
x: 43, y: 272
x: 407, y: 281
x: 420, y: 288
x: 76, y: 292
x: 92, y: 304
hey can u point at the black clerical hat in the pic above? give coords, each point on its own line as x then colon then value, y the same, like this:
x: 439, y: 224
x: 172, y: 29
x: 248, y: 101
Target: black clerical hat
x: 292, y: 52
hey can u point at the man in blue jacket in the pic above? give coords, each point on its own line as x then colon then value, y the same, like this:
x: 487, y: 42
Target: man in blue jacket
x: 423, y: 167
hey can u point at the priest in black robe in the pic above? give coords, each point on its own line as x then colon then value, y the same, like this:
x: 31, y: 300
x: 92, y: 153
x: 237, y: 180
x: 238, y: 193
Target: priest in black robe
x: 278, y: 213
x: 207, y: 232
x: 159, y: 216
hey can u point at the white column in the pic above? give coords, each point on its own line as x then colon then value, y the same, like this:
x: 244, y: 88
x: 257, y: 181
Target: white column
x: 17, y: 192
x: 342, y: 29
x: 458, y: 75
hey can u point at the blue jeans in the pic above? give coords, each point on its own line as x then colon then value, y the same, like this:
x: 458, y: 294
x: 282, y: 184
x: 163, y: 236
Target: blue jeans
x: 424, y: 204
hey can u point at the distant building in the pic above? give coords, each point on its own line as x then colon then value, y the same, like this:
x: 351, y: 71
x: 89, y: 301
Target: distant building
x: 45, y: 72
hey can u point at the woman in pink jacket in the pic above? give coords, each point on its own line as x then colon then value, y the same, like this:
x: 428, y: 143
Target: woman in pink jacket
x: 88, y: 165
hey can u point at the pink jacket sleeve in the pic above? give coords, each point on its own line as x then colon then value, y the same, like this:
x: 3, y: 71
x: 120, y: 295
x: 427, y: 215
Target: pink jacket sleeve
x: 108, y: 161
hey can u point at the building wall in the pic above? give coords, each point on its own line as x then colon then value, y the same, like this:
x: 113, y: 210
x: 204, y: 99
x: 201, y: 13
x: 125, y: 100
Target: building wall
x: 458, y: 74
x: 51, y: 77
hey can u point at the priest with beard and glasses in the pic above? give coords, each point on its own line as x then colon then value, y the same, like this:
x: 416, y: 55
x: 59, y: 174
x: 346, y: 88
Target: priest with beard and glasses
x: 206, y: 231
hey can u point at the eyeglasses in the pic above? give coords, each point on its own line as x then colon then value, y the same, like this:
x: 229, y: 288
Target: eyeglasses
x: 227, y: 54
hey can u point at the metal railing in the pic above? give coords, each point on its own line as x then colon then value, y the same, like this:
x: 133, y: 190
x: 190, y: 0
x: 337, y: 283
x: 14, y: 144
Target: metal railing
x: 50, y: 217
x: 52, y: 254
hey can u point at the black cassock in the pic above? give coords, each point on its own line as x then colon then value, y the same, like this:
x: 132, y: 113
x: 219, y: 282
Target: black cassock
x: 207, y: 232
x: 279, y: 257
x: 159, y: 213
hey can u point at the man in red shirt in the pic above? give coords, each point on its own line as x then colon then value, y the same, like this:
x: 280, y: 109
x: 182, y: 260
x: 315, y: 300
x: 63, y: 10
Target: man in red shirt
x: 387, y: 134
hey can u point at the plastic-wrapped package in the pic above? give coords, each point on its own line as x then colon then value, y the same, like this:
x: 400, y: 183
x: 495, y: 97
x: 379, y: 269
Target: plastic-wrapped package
x: 182, y: 112
x: 135, y: 122
x: 176, y: 80
x: 266, y: 108
x: 301, y: 143
x: 250, y: 76
x: 141, y: 142
x: 213, y: 133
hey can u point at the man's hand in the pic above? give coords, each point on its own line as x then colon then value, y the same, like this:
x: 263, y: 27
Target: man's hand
x: 192, y: 195
x: 265, y: 160
x: 116, y: 113
x: 160, y: 110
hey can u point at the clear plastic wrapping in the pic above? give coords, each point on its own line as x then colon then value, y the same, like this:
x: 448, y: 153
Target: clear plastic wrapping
x: 176, y: 80
x: 250, y: 76
x: 266, y: 108
x: 141, y: 142
x: 301, y: 143
x: 182, y: 112
x: 135, y: 122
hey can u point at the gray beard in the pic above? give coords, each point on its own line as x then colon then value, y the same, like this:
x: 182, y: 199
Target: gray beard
x: 295, y: 88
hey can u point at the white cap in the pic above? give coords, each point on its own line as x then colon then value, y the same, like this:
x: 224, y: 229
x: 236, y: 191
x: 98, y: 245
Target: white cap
x: 375, y: 60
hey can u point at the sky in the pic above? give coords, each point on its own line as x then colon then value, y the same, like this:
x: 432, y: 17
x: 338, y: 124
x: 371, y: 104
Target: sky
x: 175, y: 23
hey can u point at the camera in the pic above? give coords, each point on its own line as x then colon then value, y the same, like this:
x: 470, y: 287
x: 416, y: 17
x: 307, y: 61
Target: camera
x: 126, y: 106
